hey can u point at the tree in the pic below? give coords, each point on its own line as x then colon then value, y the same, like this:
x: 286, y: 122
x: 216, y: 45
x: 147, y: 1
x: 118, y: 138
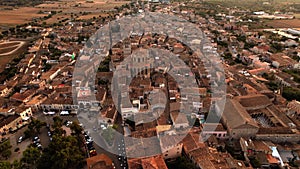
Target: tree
x: 58, y: 122
x: 36, y: 125
x: 30, y: 157
x: 17, y: 165
x: 291, y: 93
x: 28, y: 133
x: 108, y: 135
x: 5, y: 165
x: 277, y: 47
x: 254, y: 162
x: 76, y: 128
x: 62, y: 153
x: 5, y: 149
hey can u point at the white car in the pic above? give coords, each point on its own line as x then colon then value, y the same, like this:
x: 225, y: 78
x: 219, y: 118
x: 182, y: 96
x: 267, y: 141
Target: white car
x: 20, y: 139
x: 51, y: 112
x: 64, y: 113
x: 69, y: 123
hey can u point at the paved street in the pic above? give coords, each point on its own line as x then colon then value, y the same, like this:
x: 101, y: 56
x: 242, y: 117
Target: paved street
x: 23, y: 145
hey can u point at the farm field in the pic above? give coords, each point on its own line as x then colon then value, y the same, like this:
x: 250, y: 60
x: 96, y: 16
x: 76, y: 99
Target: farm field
x: 294, y: 23
x: 67, y: 7
x: 297, y: 15
x: 19, y: 16
x: 9, y: 50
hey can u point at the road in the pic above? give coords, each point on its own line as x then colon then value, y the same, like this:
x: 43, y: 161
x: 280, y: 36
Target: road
x: 21, y: 43
x: 22, y: 146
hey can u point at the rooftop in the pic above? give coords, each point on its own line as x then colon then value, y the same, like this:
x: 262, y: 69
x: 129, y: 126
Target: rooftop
x: 254, y: 101
x: 241, y: 117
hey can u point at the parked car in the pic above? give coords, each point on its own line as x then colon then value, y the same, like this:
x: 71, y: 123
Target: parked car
x: 21, y: 138
x: 93, y: 153
x: 63, y: 113
x: 39, y: 146
x: 51, y: 113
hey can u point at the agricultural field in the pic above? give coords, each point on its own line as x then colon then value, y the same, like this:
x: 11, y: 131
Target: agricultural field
x: 19, y: 16
x: 22, y: 15
x: 294, y: 23
x: 76, y: 6
x: 297, y: 16
x: 9, y: 50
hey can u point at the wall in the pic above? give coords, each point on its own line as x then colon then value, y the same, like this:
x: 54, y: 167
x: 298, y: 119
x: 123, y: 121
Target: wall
x: 277, y: 138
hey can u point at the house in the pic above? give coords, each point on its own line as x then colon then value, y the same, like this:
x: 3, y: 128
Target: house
x: 108, y: 115
x: 280, y: 60
x: 24, y: 112
x: 9, y: 123
x: 254, y: 101
x: 215, y: 129
x: 58, y: 102
x: 250, y: 147
x: 24, y: 96
x: 171, y: 146
x: 286, y: 79
x: 178, y: 118
x: 87, y: 99
x: 155, y: 162
x: 101, y: 161
x: 237, y: 120
x: 294, y: 107
x: 101, y: 94
x: 3, y: 90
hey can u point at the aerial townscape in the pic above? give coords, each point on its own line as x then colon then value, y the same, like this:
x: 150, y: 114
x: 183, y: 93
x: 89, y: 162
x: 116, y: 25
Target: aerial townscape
x: 152, y: 84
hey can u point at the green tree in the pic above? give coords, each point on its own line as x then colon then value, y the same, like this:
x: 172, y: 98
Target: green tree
x: 5, y: 165
x: 30, y: 157
x: 57, y: 126
x: 291, y: 93
x: 62, y: 153
x: 35, y: 125
x: 77, y: 132
x: 5, y: 149
x: 18, y: 165
x: 254, y: 162
x: 75, y: 128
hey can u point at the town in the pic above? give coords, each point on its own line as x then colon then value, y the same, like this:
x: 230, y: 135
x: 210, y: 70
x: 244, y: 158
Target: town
x: 151, y: 84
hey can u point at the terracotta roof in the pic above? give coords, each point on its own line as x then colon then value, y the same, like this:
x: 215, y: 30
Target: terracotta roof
x: 261, y: 146
x: 156, y: 162
x: 2, y: 87
x: 22, y: 96
x: 5, y: 120
x: 255, y: 100
x: 99, y: 162
x: 235, y: 115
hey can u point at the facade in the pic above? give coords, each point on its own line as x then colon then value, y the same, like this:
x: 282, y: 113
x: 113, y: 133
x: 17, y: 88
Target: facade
x: 171, y: 146
x: 215, y: 129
